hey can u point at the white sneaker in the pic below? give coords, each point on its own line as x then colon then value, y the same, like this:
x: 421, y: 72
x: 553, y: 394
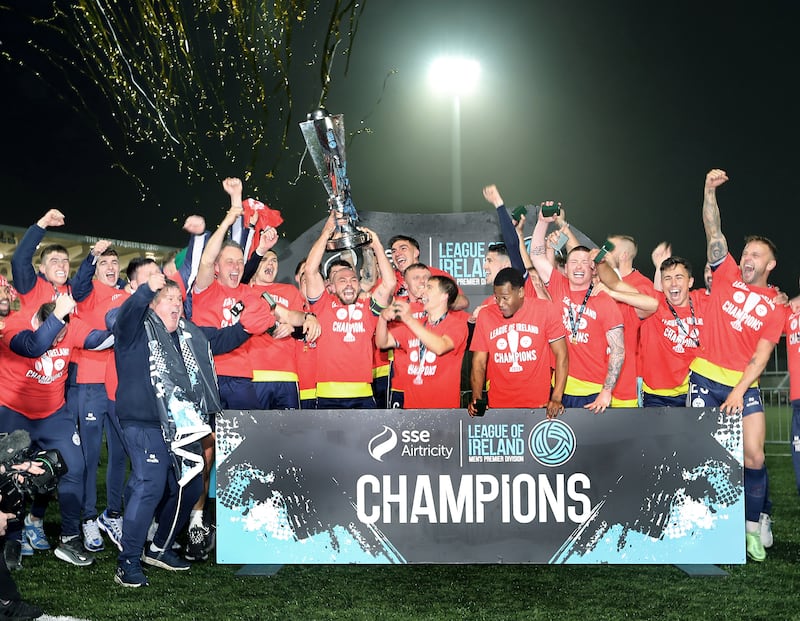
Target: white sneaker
x: 765, y: 530
x: 92, y: 539
x: 111, y: 526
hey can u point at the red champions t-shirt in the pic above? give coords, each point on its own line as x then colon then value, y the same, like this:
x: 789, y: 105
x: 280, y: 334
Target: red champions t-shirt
x: 214, y: 307
x: 267, y: 353
x: 344, y: 349
x: 35, y: 387
x: 588, y: 350
x: 737, y: 316
x: 669, y: 345
x: 93, y: 365
x: 428, y: 380
x: 518, y: 363
x: 43, y: 291
x: 400, y: 355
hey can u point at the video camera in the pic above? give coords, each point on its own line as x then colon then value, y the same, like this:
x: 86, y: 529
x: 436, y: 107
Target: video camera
x: 14, y: 484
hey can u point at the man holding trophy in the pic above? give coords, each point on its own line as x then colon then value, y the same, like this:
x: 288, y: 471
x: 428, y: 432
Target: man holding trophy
x: 345, y: 347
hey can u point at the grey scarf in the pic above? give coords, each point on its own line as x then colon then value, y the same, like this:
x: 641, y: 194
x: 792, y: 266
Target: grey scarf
x: 185, y: 385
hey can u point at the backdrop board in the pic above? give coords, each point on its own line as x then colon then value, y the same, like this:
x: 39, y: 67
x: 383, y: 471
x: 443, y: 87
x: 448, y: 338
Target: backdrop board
x: 647, y: 485
x: 453, y: 242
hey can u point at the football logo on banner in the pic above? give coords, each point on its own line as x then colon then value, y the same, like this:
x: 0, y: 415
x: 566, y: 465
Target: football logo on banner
x: 552, y: 443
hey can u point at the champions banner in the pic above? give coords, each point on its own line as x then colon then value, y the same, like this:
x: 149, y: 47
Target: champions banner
x: 436, y: 486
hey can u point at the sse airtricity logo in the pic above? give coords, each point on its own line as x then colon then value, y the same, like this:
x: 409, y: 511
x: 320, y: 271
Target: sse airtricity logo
x: 382, y: 443
x: 552, y: 443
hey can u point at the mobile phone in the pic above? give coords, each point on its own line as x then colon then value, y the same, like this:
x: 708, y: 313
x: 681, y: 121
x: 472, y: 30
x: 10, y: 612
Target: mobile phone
x: 270, y: 300
x: 480, y: 407
x: 518, y: 212
x: 561, y: 242
x: 604, y: 250
x: 550, y: 210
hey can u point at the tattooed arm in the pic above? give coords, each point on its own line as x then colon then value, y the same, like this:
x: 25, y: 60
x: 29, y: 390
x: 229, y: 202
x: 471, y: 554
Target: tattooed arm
x: 538, y: 250
x: 616, y: 345
x: 717, y: 245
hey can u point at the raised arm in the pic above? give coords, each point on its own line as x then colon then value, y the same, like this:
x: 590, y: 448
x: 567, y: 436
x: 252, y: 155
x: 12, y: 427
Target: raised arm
x: 716, y: 244
x: 369, y: 270
x: 315, y: 282
x: 128, y: 320
x: 660, y: 253
x: 196, y: 227
x: 564, y: 227
x: 538, y: 250
x: 22, y: 271
x: 82, y: 284
x: 385, y: 290
x: 507, y: 229
x: 266, y: 240
x: 205, y: 273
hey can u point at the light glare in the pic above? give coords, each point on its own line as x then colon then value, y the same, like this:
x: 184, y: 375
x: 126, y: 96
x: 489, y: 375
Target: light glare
x: 454, y: 75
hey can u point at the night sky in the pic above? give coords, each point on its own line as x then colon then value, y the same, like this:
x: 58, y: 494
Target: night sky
x: 616, y: 109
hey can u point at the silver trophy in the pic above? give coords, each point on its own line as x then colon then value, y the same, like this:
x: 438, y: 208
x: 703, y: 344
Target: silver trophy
x: 324, y: 136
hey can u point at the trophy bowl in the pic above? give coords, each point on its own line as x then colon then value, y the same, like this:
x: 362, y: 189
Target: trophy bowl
x: 325, y: 138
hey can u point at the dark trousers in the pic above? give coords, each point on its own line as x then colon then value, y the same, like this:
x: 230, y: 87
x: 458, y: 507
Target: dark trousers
x: 153, y: 491
x: 795, y: 441
x: 95, y: 414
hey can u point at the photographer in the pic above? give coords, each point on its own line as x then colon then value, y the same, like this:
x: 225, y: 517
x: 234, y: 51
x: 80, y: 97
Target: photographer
x: 33, y: 376
x: 11, y: 604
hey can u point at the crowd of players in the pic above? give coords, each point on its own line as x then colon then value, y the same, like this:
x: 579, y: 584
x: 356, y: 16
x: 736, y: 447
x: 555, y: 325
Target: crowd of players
x: 146, y: 361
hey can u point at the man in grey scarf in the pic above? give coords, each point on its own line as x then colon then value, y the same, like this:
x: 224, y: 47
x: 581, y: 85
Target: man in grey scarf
x: 167, y: 391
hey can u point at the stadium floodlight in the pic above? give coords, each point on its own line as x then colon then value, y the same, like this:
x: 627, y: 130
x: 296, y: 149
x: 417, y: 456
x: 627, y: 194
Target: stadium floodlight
x: 455, y: 76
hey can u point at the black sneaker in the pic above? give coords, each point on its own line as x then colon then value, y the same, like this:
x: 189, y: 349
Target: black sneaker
x: 198, y: 544
x: 12, y: 553
x: 166, y: 559
x: 72, y: 551
x: 130, y: 574
x: 19, y: 610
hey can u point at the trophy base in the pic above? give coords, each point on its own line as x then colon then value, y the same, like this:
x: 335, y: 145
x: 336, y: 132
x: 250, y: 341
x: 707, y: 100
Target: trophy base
x: 356, y: 239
